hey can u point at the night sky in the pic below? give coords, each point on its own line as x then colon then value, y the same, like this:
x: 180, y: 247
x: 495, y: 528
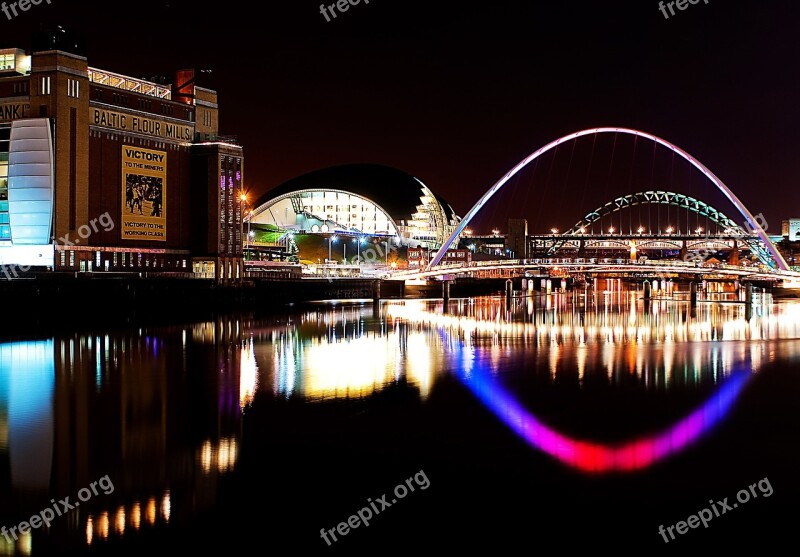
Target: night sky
x: 456, y: 93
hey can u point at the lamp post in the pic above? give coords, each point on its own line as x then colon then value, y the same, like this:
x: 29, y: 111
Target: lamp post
x: 358, y: 242
x: 242, y: 199
x: 344, y: 261
x: 331, y: 238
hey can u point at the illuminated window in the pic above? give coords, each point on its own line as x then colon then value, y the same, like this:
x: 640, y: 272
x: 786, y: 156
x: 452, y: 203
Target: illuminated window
x: 8, y: 61
x: 73, y: 88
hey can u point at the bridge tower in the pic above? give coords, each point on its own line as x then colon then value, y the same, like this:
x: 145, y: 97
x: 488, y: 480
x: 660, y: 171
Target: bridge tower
x: 734, y: 258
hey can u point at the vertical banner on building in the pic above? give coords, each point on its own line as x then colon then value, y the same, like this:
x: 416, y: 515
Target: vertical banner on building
x: 144, y: 179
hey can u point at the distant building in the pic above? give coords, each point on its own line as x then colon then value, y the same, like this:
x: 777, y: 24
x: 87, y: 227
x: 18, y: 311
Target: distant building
x: 517, y: 238
x: 420, y: 257
x: 791, y: 230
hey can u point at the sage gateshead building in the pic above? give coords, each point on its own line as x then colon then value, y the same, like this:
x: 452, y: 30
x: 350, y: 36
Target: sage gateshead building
x: 366, y: 199
x: 101, y: 171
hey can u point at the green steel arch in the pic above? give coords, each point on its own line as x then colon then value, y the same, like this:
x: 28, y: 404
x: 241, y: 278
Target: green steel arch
x: 680, y: 201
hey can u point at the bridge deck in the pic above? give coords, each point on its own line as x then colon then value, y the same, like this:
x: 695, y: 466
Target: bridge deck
x: 605, y: 266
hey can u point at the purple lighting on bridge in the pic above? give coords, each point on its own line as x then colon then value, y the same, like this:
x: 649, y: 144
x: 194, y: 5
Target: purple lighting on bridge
x: 751, y: 220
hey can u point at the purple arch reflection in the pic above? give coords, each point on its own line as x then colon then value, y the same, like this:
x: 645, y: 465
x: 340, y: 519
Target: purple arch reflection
x: 597, y: 457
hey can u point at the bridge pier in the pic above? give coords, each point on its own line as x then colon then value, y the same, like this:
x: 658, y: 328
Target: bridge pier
x: 748, y: 302
x: 648, y: 291
x: 445, y: 295
x: 376, y: 291
x: 509, y: 292
x: 693, y: 294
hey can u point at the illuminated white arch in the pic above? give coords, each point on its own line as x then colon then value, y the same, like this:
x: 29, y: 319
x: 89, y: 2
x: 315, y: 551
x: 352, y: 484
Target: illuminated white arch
x: 751, y: 221
x: 263, y: 207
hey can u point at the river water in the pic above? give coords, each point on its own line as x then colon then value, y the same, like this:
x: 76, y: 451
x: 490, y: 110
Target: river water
x: 553, y: 423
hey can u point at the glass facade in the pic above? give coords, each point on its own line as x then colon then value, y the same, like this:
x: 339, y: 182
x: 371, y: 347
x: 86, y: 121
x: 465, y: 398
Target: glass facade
x: 309, y: 211
x: 5, y: 226
x: 30, y: 182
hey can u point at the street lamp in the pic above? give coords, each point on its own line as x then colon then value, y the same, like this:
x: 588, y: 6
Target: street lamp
x: 669, y: 230
x: 331, y: 238
x: 554, y: 230
x: 611, y: 230
x: 699, y: 230
x: 358, y: 241
x: 640, y: 230
x: 242, y: 199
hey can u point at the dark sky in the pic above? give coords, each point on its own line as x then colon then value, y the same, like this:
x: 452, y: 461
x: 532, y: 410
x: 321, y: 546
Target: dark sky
x: 456, y: 93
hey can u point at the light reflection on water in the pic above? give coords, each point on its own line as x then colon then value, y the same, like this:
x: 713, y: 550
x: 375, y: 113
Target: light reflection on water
x: 344, y: 353
x: 657, y: 344
x: 161, y: 410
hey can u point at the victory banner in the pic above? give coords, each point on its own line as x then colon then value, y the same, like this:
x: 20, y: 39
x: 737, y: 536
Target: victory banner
x: 144, y: 179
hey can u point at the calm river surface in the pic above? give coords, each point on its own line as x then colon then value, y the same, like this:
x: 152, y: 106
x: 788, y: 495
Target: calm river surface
x: 561, y: 423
